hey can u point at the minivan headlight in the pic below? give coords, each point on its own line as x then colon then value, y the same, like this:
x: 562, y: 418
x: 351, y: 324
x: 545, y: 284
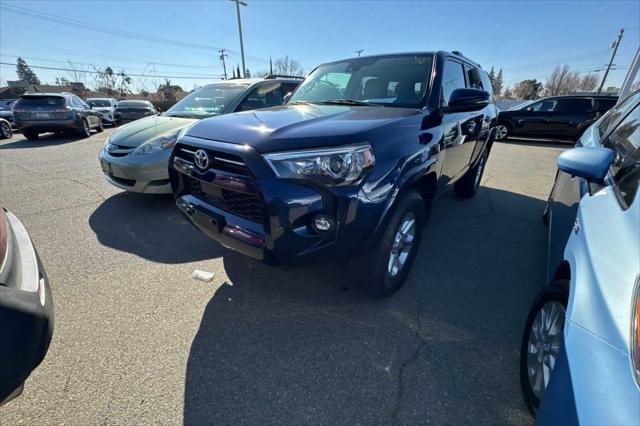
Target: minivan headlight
x: 343, y: 165
x: 160, y: 143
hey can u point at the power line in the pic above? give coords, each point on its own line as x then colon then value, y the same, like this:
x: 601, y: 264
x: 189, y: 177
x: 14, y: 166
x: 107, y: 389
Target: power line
x: 107, y: 30
x: 210, y: 77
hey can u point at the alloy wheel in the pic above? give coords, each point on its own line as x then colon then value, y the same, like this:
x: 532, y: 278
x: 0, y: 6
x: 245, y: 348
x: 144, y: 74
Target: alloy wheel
x: 6, y: 130
x: 402, y: 244
x: 501, y: 131
x: 545, y: 341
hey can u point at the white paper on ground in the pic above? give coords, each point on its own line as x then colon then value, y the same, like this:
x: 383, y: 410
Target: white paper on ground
x: 202, y: 275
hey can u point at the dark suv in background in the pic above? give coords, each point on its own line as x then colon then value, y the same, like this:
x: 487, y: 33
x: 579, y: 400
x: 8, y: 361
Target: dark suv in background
x: 558, y: 117
x: 347, y: 167
x: 36, y: 113
x: 133, y: 110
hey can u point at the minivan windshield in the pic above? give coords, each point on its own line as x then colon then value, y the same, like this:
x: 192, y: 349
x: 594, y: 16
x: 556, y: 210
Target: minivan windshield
x: 393, y: 80
x: 207, y: 101
x: 99, y: 103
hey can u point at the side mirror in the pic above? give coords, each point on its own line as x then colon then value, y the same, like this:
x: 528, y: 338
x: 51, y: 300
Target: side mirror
x: 589, y: 163
x: 286, y: 98
x: 462, y: 100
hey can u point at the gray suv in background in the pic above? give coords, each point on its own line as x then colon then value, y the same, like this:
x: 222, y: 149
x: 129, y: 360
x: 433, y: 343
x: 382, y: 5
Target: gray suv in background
x: 36, y: 113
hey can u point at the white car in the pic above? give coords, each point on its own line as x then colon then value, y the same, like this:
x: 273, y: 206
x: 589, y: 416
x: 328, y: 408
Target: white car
x: 106, y: 107
x: 580, y: 353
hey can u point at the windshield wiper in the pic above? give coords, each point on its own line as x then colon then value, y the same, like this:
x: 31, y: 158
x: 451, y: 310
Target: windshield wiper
x: 347, y: 102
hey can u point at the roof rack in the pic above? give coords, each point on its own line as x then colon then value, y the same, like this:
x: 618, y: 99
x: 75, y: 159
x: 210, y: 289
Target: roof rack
x: 274, y: 76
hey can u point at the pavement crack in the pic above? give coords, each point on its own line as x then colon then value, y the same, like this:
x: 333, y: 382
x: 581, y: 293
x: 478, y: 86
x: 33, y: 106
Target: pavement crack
x: 89, y: 187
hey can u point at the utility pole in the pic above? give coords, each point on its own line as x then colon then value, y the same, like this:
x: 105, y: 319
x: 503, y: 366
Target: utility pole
x: 224, y: 66
x: 613, y: 55
x: 238, y: 3
x: 359, y: 51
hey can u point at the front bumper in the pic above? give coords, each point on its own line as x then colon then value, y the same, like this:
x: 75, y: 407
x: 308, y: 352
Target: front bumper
x: 26, y: 312
x: 267, y: 218
x: 592, y: 384
x: 137, y: 173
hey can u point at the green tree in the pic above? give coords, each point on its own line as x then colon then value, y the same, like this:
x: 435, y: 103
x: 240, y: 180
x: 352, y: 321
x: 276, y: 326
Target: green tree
x: 496, y: 81
x: 25, y: 73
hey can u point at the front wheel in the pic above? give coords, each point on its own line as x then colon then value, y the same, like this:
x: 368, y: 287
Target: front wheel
x: 468, y: 184
x: 386, y: 268
x: 542, y: 341
x: 5, y: 130
x: 503, y: 130
x: 100, y: 127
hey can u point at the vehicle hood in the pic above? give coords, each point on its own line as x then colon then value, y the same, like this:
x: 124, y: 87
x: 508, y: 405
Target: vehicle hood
x: 140, y: 131
x: 297, y: 126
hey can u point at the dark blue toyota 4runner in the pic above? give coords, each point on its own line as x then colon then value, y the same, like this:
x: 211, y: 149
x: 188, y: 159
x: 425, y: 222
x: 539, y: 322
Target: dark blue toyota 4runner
x: 346, y: 168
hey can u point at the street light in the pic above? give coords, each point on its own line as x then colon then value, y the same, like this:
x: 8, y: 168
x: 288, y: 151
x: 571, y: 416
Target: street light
x: 238, y: 3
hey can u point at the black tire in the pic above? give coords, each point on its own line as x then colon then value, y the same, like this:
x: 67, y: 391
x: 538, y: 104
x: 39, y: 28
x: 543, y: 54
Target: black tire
x: 5, y: 130
x: 100, y: 127
x: 378, y: 280
x: 468, y: 184
x: 500, y: 135
x: 557, y: 291
x: 85, y: 130
x: 32, y: 136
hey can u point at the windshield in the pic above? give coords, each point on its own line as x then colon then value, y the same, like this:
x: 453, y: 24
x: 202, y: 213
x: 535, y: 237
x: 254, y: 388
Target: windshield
x: 99, y: 103
x: 397, y: 80
x: 134, y: 104
x: 207, y: 101
x: 523, y: 105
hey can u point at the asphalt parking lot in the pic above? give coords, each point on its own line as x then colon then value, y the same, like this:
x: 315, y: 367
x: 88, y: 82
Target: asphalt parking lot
x: 137, y: 340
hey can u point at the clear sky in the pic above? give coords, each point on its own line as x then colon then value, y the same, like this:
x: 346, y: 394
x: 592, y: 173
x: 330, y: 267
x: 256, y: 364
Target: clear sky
x: 525, y: 38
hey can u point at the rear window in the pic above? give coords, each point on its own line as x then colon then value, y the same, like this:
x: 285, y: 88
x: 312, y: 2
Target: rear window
x: 40, y: 101
x: 99, y: 103
x: 574, y: 105
x: 605, y: 105
x: 133, y: 104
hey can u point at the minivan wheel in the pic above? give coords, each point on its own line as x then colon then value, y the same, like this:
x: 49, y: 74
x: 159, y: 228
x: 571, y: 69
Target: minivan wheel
x: 468, y: 184
x: 5, y: 130
x: 542, y: 341
x: 503, y: 130
x: 85, y: 131
x: 386, y: 267
x: 32, y: 136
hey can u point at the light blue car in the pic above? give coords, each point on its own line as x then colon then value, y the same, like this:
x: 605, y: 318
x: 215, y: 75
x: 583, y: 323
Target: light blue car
x: 580, y: 359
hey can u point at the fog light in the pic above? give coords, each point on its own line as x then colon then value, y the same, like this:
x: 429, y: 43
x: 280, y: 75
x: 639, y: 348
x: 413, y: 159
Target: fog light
x: 322, y: 223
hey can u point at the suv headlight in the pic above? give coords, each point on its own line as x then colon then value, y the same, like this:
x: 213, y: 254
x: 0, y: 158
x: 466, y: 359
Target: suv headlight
x: 156, y: 144
x: 343, y: 165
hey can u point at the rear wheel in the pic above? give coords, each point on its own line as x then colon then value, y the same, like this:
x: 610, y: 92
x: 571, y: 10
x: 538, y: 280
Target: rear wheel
x: 386, y: 268
x: 542, y: 341
x: 5, y: 130
x: 32, y: 136
x: 85, y: 130
x: 468, y: 184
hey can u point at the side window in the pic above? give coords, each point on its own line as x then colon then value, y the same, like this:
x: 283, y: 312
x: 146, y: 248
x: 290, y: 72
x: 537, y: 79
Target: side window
x: 624, y: 140
x: 614, y: 115
x: 474, y: 81
x: 543, y: 106
x: 263, y: 96
x: 574, y: 105
x: 452, y: 79
x: 486, y: 83
x: 288, y: 87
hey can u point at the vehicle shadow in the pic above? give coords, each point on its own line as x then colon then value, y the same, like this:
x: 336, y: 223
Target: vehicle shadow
x: 306, y: 346
x: 49, y: 139
x: 151, y: 227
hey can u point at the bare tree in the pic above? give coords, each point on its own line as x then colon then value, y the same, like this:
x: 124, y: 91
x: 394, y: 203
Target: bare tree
x: 563, y: 81
x: 588, y: 82
x: 287, y: 66
x: 112, y: 82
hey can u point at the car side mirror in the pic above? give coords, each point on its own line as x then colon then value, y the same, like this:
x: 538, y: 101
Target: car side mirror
x: 286, y: 98
x: 462, y: 100
x: 589, y: 163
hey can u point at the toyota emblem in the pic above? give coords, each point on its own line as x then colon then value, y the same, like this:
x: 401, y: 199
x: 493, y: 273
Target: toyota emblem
x: 202, y: 159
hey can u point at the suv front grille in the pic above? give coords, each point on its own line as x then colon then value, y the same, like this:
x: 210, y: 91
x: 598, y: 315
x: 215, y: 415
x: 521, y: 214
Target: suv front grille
x: 233, y: 188
x: 246, y: 205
